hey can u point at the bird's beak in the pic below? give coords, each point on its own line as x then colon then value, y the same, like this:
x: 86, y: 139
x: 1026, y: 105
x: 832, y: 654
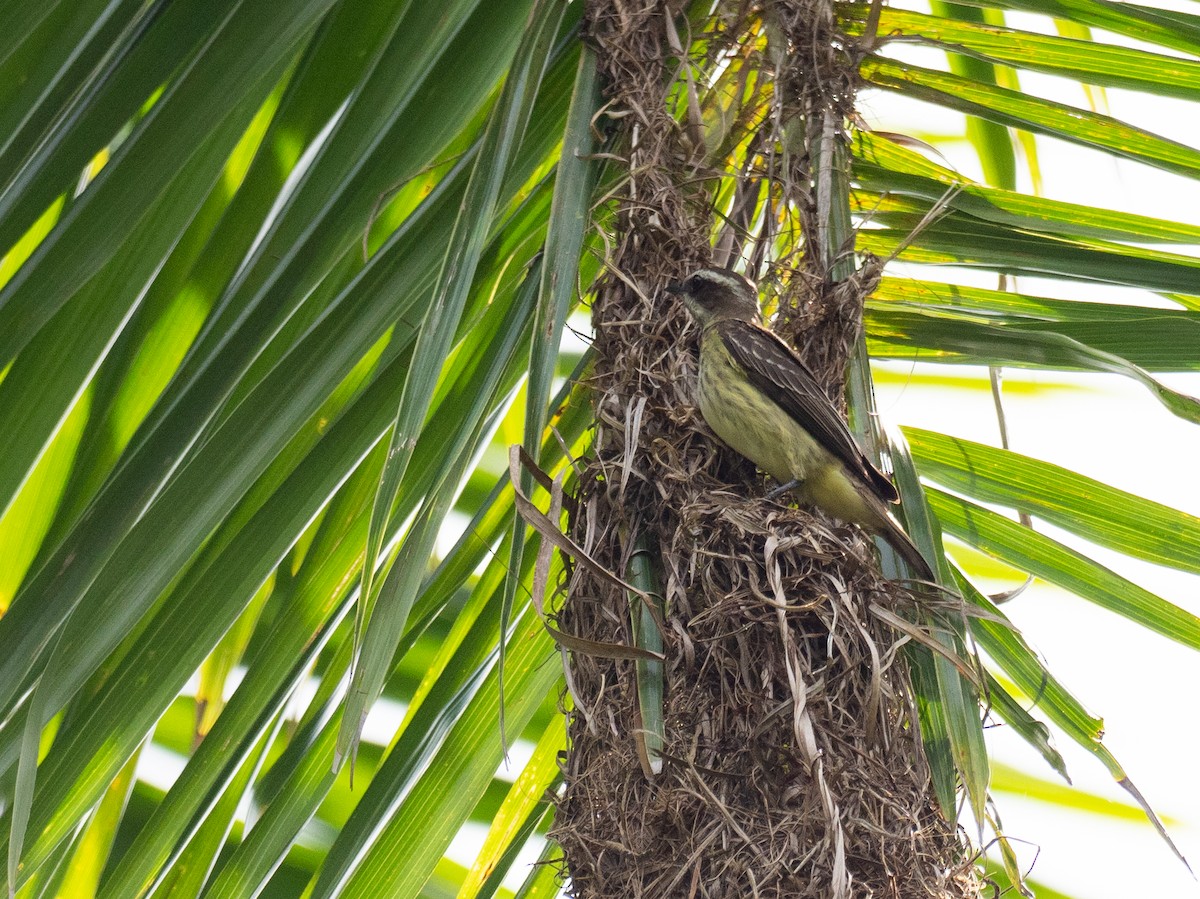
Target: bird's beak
x: 675, y: 287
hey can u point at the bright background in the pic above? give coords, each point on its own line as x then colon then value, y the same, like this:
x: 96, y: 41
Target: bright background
x: 1100, y: 425
x: 1111, y: 429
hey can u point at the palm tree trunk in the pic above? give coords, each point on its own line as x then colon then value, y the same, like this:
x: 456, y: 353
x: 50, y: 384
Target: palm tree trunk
x: 792, y: 763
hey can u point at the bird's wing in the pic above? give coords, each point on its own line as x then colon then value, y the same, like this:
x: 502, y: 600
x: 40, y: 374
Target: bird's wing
x: 775, y: 369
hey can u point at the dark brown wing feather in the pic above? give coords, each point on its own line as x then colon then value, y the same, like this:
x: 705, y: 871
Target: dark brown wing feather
x: 775, y: 369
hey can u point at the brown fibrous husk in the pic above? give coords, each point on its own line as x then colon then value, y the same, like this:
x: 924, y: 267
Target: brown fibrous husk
x: 793, y: 763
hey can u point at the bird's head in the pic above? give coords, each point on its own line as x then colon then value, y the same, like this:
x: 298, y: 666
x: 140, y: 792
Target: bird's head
x: 716, y: 294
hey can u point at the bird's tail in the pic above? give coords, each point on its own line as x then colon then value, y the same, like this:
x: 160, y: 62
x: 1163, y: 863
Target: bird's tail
x: 890, y: 530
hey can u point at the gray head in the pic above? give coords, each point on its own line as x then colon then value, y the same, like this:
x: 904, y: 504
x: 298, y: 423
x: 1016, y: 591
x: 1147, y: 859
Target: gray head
x: 715, y: 294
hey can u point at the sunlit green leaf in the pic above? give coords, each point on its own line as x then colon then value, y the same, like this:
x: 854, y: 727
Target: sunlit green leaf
x: 1019, y: 110
x: 1082, y: 505
x: 239, y: 247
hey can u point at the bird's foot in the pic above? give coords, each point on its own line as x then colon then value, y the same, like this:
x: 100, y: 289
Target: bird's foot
x: 784, y: 488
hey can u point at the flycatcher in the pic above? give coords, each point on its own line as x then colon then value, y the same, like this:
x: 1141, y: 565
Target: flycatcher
x: 760, y: 398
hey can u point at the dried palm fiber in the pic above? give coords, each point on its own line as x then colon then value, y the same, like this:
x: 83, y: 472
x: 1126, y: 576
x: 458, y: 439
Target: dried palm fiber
x: 792, y: 767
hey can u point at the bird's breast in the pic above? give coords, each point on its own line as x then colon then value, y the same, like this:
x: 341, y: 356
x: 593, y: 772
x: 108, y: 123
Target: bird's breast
x: 750, y: 422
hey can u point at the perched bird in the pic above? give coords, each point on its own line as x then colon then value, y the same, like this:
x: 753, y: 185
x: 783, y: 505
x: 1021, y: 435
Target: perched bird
x: 760, y: 398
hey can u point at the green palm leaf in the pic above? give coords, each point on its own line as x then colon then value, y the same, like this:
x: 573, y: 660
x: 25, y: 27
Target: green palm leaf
x: 279, y: 285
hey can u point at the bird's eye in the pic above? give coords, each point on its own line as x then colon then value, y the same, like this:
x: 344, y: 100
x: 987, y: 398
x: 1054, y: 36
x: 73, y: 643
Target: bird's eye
x: 692, y: 285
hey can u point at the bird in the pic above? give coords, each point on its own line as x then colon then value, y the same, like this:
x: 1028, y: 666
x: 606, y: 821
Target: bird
x: 761, y: 399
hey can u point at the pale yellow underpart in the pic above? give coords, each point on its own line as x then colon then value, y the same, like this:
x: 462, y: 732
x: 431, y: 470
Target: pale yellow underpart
x: 758, y: 428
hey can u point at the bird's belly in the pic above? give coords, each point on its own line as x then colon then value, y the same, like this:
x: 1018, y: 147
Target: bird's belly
x: 760, y: 430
